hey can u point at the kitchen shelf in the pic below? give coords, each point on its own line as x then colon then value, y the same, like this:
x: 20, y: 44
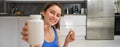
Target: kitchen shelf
x: 44, y: 0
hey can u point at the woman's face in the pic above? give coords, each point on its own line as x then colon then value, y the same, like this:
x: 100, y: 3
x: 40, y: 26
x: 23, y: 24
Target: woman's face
x: 52, y: 15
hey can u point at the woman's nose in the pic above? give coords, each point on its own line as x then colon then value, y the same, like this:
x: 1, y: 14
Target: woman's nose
x: 55, y: 16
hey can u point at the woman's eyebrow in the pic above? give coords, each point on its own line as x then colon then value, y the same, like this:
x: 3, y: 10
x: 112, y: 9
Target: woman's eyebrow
x: 54, y: 11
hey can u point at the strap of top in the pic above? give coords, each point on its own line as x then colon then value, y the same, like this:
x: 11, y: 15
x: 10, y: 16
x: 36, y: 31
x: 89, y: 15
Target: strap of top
x: 56, y: 36
x: 53, y: 43
x: 55, y: 32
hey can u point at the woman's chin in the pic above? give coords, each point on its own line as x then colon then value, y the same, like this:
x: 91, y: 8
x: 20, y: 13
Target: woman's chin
x: 52, y: 24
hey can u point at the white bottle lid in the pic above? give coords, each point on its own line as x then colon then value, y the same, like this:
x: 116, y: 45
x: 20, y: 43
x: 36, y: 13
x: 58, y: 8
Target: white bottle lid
x: 35, y: 16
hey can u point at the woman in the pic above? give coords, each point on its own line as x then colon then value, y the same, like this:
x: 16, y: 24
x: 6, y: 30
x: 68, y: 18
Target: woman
x: 51, y: 15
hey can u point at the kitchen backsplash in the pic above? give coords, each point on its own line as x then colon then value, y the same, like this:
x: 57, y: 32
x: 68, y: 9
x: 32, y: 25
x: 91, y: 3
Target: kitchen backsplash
x: 35, y: 8
x: 1, y: 7
x: 26, y: 8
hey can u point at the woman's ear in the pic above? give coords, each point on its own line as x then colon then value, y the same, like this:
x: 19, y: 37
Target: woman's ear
x: 42, y: 13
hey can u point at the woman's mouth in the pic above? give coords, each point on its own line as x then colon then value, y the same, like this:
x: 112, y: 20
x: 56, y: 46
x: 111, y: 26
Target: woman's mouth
x: 52, y: 20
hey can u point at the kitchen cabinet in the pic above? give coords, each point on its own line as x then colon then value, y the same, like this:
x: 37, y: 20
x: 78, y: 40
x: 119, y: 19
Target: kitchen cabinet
x: 10, y: 29
x: 73, y: 20
x: 76, y: 22
x: 9, y: 34
x: 2, y: 6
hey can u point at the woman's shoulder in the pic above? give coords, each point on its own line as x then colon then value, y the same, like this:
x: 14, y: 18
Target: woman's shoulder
x: 57, y: 29
x: 58, y: 32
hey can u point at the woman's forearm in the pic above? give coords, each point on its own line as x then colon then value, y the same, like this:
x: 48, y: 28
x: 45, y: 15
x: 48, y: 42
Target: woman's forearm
x: 31, y: 46
x: 65, y: 44
x: 35, y: 46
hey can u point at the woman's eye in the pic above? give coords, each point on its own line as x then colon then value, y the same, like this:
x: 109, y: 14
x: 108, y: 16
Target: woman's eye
x: 58, y: 15
x: 52, y: 12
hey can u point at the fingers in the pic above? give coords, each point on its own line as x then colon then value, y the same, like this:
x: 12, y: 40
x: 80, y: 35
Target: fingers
x: 26, y: 23
x: 72, y: 34
x: 71, y: 31
x: 24, y: 32
x: 25, y: 28
x: 25, y: 38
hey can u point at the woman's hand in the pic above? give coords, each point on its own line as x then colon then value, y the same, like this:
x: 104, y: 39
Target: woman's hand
x: 24, y: 34
x: 70, y: 36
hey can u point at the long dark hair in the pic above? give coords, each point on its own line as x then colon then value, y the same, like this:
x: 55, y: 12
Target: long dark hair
x: 48, y: 5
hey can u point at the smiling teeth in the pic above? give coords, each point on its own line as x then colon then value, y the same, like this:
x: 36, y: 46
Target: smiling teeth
x: 52, y: 20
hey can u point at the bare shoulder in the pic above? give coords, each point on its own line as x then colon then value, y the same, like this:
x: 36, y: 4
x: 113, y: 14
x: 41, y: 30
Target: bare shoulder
x: 58, y: 31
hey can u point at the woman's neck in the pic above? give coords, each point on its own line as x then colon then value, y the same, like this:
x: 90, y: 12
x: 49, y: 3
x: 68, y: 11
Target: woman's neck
x: 47, y: 28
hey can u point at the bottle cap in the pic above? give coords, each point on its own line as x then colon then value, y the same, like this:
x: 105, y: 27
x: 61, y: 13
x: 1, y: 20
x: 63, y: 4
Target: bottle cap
x: 35, y: 16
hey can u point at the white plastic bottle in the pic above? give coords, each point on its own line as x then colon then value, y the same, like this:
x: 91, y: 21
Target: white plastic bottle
x: 35, y: 30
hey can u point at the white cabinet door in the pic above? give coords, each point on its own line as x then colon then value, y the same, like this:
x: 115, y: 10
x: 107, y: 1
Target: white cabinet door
x: 9, y: 36
x: 22, y: 21
x: 76, y: 22
x: 73, y: 20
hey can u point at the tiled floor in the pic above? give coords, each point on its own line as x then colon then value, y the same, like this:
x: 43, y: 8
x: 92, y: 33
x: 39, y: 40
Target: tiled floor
x: 80, y: 42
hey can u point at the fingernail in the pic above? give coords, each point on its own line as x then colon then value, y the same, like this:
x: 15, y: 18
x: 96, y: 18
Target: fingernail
x: 71, y: 32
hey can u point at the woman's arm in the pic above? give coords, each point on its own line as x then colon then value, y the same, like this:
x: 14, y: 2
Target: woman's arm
x: 65, y: 44
x: 69, y: 38
x: 59, y: 37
